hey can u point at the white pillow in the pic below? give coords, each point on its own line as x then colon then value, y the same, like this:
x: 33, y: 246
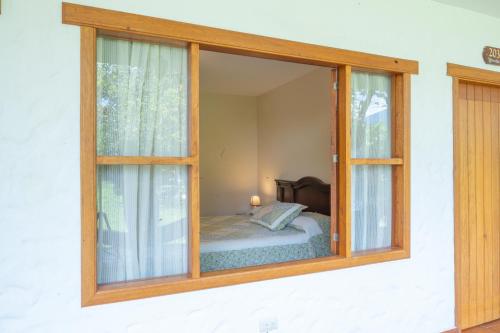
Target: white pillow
x: 277, y: 215
x: 306, y: 224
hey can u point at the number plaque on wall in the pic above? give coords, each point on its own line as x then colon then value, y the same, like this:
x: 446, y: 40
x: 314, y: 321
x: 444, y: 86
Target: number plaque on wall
x: 491, y: 55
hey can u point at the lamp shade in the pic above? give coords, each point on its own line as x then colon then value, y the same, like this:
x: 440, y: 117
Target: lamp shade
x: 255, y: 200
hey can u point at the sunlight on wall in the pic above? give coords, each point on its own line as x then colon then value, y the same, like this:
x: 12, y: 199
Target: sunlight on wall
x: 228, y: 153
x: 294, y: 132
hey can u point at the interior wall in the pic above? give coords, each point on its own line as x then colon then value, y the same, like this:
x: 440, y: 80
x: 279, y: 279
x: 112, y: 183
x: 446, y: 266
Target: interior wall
x: 294, y: 132
x: 40, y: 280
x: 228, y: 153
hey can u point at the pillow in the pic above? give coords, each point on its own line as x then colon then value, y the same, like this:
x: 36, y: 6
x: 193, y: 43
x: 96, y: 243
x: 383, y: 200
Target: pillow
x: 277, y: 215
x: 306, y: 224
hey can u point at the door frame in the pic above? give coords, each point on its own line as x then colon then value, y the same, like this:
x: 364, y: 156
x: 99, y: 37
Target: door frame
x: 459, y: 74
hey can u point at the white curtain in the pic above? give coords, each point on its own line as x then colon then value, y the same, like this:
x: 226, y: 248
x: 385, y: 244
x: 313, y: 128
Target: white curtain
x: 371, y: 194
x: 371, y: 138
x: 141, y: 111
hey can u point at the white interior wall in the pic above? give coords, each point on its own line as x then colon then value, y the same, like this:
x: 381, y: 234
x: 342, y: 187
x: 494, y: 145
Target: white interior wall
x: 228, y: 153
x: 248, y: 142
x: 40, y: 184
x: 294, y: 132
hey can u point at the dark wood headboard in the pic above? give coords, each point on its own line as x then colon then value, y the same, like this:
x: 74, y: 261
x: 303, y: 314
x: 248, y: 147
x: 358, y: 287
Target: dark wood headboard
x: 309, y: 191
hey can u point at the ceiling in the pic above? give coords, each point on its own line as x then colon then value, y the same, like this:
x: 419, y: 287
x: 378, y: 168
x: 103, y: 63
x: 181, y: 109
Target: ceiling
x: 488, y: 7
x: 230, y: 74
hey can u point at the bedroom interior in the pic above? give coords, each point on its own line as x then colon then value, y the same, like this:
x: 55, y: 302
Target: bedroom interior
x: 251, y: 156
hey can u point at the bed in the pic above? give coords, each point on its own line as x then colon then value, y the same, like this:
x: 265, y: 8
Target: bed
x: 229, y: 242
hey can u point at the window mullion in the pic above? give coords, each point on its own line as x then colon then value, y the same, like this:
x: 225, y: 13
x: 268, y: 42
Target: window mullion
x: 400, y: 149
x: 144, y: 160
x: 194, y: 170
x: 88, y: 163
x: 377, y: 161
x: 344, y: 78
x: 334, y: 216
x: 406, y: 107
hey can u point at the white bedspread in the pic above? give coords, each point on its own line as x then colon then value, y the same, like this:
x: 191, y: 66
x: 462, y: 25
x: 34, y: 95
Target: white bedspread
x: 236, y: 232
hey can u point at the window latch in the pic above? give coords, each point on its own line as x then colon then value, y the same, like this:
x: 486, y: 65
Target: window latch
x: 335, y: 237
x: 335, y: 158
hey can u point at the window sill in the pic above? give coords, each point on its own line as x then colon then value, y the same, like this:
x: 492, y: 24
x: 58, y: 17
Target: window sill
x: 170, y: 285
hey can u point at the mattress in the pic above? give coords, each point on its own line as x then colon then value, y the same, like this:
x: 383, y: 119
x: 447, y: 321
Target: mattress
x: 233, y: 241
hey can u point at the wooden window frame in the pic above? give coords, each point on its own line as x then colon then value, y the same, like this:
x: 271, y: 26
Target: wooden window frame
x: 399, y: 160
x: 94, y: 21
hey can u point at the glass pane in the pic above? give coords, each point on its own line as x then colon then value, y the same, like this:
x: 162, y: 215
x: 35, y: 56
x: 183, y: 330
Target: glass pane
x: 141, y: 99
x: 371, y: 115
x: 142, y: 222
x: 371, y: 207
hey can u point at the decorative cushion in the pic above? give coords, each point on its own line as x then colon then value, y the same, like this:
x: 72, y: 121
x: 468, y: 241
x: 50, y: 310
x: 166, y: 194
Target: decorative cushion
x: 277, y: 215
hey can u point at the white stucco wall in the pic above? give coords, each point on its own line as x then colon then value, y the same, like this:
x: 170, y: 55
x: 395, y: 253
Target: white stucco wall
x: 40, y: 181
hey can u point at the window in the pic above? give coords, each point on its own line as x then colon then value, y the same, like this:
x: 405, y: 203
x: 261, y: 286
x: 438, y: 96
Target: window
x: 378, y: 166
x: 142, y: 207
x: 254, y: 116
x: 374, y: 162
x: 140, y: 154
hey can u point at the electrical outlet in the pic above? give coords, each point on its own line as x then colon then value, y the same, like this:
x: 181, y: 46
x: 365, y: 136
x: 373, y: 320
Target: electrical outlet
x: 268, y: 325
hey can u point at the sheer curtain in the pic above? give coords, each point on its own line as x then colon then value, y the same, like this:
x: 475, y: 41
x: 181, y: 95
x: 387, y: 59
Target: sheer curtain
x: 141, y: 111
x: 371, y: 138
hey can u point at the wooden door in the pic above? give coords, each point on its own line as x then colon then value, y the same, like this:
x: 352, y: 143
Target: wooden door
x: 477, y: 201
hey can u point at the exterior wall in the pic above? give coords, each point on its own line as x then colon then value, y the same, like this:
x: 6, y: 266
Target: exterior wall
x: 40, y: 184
x: 294, y: 132
x: 228, y: 149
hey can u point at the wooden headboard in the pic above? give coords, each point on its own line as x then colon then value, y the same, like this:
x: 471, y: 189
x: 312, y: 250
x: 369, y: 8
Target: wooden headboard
x: 309, y: 191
